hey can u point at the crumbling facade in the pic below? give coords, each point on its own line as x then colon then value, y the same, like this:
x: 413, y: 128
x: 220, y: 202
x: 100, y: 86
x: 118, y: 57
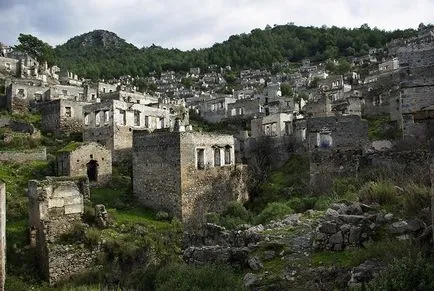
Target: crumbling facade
x: 59, y: 116
x: 85, y: 159
x: 200, y: 174
x: 55, y: 207
x: 335, y: 146
x: 111, y: 124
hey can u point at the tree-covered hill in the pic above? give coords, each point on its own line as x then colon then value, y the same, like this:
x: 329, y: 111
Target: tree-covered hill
x: 103, y: 54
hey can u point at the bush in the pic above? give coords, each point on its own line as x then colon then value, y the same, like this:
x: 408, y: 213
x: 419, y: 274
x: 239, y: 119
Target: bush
x: 383, y: 192
x: 273, y: 211
x: 234, y: 215
x: 301, y: 204
x: 93, y: 236
x: 182, y: 277
x: 415, y: 199
x: 406, y: 273
x: 162, y: 215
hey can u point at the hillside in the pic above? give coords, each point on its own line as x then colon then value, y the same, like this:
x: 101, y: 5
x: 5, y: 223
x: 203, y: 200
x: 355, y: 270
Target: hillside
x: 104, y: 54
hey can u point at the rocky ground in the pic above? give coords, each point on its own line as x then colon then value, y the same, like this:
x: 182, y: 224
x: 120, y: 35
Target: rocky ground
x: 341, y: 248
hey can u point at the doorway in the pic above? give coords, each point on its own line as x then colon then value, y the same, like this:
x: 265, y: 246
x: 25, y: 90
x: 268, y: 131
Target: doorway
x: 92, y: 170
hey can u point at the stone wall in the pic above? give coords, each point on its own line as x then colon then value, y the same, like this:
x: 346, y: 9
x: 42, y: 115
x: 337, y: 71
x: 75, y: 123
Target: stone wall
x: 9, y: 66
x: 56, y: 205
x: 346, y: 132
x: 417, y: 55
x: 327, y: 164
x: 22, y: 94
x: 19, y: 126
x: 39, y: 154
x: 157, y: 171
x: 210, y: 189
x: 59, y: 116
x: 167, y: 176
x: 416, y: 98
x: 74, y: 163
x: 2, y: 235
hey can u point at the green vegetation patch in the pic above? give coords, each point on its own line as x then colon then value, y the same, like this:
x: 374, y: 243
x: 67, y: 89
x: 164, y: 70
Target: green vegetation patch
x: 72, y: 146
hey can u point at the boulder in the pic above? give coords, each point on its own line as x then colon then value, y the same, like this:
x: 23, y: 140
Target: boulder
x: 336, y: 238
x: 328, y: 227
x: 354, y: 209
x: 255, y: 263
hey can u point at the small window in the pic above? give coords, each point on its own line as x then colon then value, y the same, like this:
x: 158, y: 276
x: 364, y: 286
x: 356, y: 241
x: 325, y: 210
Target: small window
x: 136, y: 118
x: 123, y: 117
x: 147, y: 121
x: 200, y: 159
x: 65, y: 92
x: 68, y: 112
x: 21, y: 93
x: 97, y: 118
x: 38, y: 97
x: 86, y: 119
x: 106, y: 116
x: 228, y: 158
x: 217, y: 157
x: 161, y: 122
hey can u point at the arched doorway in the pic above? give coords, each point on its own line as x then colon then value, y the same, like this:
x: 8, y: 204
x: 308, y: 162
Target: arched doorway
x: 92, y: 170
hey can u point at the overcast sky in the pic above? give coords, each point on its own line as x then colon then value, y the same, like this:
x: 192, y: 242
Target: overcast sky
x: 187, y: 24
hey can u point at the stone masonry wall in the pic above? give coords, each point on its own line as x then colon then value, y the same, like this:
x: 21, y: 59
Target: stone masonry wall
x: 55, y: 206
x: 165, y: 174
x: 39, y: 154
x: 346, y: 131
x: 157, y: 171
x: 74, y: 163
x: 210, y: 189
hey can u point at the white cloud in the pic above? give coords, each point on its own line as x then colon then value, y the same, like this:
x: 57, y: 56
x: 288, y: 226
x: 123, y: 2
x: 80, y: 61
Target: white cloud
x: 195, y: 24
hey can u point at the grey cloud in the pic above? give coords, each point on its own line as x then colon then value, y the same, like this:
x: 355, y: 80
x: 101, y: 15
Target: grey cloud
x: 196, y: 23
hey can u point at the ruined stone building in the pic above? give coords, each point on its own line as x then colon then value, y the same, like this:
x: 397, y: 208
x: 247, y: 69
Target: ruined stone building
x: 85, y: 159
x: 56, y: 205
x: 200, y: 174
x: 24, y: 94
x: 335, y: 146
x: 59, y: 116
x: 275, y: 125
x: 245, y: 108
x: 333, y: 87
x: 111, y: 123
x: 215, y: 109
x: 319, y: 107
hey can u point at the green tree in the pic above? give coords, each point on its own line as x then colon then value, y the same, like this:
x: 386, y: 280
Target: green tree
x: 35, y: 48
x: 286, y: 90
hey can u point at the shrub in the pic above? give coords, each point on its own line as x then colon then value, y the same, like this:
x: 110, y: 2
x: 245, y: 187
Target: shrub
x: 301, y: 204
x: 406, y: 273
x: 234, y: 215
x: 415, y: 199
x: 89, y: 213
x: 162, y: 215
x: 236, y: 209
x: 273, y: 211
x: 93, y: 236
x: 383, y: 192
x: 188, y: 277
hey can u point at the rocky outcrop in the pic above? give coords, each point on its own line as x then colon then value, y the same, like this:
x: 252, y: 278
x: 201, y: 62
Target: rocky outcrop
x: 351, y: 225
